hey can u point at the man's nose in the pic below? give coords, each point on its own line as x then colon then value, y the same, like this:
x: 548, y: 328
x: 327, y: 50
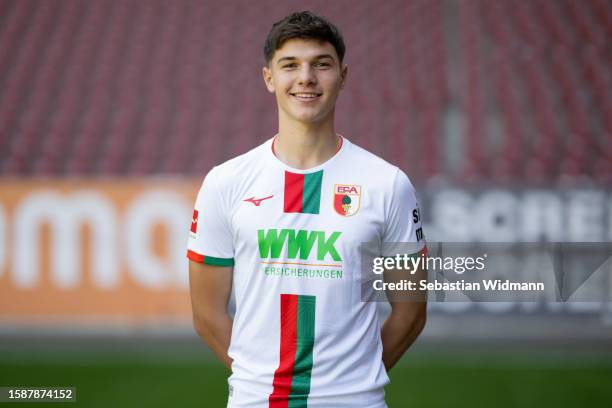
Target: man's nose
x: 307, y: 75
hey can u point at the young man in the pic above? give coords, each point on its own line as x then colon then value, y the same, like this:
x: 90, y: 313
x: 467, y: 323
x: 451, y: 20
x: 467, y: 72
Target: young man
x: 281, y: 227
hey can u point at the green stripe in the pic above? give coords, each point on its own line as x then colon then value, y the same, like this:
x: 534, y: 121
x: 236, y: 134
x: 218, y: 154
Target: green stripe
x: 211, y: 260
x: 300, y: 384
x: 311, y: 197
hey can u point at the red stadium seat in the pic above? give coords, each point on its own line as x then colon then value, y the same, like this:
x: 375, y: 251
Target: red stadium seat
x: 173, y: 87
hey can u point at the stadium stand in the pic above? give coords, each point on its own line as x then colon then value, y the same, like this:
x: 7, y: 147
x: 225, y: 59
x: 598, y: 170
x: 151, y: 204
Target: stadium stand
x: 470, y: 91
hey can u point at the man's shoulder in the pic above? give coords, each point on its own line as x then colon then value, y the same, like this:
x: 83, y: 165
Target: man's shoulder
x: 233, y: 170
x: 373, y: 165
x: 227, y: 176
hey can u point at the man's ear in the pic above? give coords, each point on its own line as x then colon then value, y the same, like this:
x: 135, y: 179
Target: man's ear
x: 343, y: 74
x: 267, y: 77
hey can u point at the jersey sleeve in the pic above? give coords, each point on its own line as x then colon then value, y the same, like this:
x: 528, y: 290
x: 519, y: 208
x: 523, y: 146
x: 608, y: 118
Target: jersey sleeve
x: 210, y: 236
x: 402, y: 232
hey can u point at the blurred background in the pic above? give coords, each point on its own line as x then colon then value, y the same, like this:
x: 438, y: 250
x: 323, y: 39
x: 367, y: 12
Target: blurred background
x: 111, y: 113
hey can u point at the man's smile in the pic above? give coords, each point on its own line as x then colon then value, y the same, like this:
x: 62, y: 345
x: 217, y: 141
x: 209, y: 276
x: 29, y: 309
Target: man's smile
x: 305, y: 96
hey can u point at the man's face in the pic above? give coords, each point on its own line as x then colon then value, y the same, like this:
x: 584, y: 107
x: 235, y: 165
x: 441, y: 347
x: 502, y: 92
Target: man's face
x: 306, y: 76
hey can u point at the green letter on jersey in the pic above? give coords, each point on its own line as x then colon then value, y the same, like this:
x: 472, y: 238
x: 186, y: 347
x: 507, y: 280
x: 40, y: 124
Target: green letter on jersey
x: 300, y: 243
x: 271, y: 242
x: 328, y: 246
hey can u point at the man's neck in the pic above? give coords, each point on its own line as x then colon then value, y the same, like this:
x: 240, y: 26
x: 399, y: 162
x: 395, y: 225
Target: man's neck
x: 305, y: 145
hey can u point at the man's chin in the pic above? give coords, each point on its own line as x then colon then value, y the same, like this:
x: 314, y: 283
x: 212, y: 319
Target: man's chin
x: 308, y: 117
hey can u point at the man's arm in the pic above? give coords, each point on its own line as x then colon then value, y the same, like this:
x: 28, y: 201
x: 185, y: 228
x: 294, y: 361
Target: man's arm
x: 210, y: 288
x: 407, y: 318
x: 400, y: 330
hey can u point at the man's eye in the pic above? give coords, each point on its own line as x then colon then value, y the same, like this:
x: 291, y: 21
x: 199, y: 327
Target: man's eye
x: 323, y: 64
x: 290, y: 66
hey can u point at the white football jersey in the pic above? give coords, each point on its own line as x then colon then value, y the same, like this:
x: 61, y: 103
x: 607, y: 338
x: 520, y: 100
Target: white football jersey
x: 301, y: 334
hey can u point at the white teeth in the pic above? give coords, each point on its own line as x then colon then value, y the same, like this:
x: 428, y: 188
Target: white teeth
x: 305, y: 95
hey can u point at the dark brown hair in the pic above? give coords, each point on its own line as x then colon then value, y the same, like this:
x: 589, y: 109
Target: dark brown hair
x: 304, y: 25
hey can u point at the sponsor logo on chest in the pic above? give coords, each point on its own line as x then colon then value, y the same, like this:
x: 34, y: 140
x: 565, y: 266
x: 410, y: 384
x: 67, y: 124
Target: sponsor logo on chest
x: 298, y: 244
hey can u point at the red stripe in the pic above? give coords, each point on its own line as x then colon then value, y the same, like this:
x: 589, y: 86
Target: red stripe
x: 195, y: 256
x: 288, y: 345
x: 424, y: 251
x: 340, y: 145
x: 294, y: 189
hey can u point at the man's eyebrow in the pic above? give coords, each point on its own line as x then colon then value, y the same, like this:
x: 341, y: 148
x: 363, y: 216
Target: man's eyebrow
x: 321, y: 56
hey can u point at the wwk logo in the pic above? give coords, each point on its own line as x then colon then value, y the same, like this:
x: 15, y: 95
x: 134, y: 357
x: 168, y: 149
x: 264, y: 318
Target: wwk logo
x: 299, y: 244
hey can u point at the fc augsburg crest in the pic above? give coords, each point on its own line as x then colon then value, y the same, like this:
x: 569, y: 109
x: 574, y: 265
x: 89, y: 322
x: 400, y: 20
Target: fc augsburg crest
x: 347, y: 199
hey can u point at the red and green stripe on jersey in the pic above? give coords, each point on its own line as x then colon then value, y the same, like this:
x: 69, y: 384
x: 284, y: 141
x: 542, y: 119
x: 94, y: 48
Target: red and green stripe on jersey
x: 302, y: 192
x: 209, y: 260
x: 292, y: 377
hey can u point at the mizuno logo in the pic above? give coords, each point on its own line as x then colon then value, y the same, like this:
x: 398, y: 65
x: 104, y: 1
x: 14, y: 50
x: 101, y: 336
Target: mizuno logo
x: 257, y: 201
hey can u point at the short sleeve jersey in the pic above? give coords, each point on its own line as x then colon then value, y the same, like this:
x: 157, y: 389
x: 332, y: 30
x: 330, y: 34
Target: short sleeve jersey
x: 301, y: 334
